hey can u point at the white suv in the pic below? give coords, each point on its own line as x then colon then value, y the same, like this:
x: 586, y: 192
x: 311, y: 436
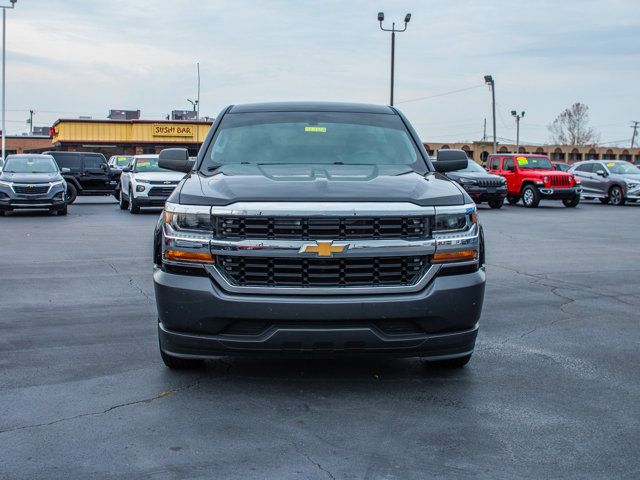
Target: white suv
x: 144, y: 184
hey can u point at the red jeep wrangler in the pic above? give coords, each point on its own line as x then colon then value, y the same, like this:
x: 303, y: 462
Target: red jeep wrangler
x: 532, y: 178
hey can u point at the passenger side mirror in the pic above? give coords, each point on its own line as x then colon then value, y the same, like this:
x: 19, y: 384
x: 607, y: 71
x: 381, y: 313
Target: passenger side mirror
x: 126, y: 169
x: 65, y: 170
x: 176, y: 159
x: 602, y: 173
x: 450, y: 160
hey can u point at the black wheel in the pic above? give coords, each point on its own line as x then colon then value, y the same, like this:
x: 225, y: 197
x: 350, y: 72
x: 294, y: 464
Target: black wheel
x: 616, y: 195
x: 176, y: 363
x: 72, y: 193
x: 62, y: 211
x: 530, y: 196
x: 496, y: 202
x: 134, y: 208
x: 450, y: 363
x: 122, y: 202
x: 513, y: 200
x: 604, y: 200
x: 572, y: 202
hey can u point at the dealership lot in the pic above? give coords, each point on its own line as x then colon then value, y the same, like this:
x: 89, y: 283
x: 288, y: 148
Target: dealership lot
x: 552, y: 391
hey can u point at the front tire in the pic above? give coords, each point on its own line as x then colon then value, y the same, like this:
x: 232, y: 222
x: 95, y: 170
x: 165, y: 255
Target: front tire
x: 616, y: 196
x: 572, y: 202
x: 134, y: 208
x: 496, y: 202
x: 122, y: 202
x: 72, y: 193
x: 530, y: 196
x: 176, y: 363
x: 513, y: 200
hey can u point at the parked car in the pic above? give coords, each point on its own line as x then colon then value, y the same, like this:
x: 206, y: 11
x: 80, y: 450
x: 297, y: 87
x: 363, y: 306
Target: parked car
x: 118, y: 162
x: 561, y: 167
x: 532, y: 178
x: 317, y: 228
x: 479, y: 184
x: 610, y: 181
x: 32, y: 181
x: 144, y: 184
x: 86, y: 173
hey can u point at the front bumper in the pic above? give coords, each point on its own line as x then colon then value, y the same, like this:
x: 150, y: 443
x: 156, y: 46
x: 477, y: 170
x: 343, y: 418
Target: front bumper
x: 559, y: 193
x: 10, y: 200
x: 197, y: 319
x: 484, y: 194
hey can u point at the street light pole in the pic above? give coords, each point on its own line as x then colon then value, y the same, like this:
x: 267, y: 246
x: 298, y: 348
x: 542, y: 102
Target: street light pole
x: 517, y: 117
x: 393, y: 31
x: 488, y: 79
x: 4, y: 74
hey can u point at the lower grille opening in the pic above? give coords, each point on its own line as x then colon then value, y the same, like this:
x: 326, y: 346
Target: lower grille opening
x: 258, y: 327
x: 399, y: 327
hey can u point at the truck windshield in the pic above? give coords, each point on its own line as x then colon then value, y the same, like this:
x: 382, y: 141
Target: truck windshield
x: 43, y: 164
x: 534, y: 163
x: 312, y: 138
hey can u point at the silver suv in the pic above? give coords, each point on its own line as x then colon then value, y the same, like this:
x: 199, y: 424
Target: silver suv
x: 610, y: 181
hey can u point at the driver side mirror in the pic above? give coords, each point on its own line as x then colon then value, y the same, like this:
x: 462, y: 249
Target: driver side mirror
x: 601, y: 173
x: 450, y: 160
x: 126, y: 169
x: 65, y: 170
x: 176, y: 159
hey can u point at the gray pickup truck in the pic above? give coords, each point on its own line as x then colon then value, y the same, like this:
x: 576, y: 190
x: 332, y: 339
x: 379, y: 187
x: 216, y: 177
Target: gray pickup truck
x: 317, y: 229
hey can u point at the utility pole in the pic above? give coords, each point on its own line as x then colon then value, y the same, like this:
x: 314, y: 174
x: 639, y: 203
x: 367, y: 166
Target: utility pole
x: 198, y: 99
x: 393, y: 31
x: 635, y: 131
x: 31, y: 112
x: 484, y: 131
x: 488, y: 79
x: 517, y: 117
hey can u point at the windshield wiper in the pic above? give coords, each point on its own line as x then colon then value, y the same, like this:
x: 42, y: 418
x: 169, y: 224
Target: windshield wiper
x: 214, y: 167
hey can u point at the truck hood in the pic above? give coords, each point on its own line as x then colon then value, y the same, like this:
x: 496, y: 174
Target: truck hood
x: 30, y: 177
x: 475, y: 175
x: 318, y: 183
x: 159, y: 176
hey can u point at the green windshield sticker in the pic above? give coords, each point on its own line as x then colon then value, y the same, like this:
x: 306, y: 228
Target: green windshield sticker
x: 316, y: 129
x: 143, y: 163
x: 522, y: 161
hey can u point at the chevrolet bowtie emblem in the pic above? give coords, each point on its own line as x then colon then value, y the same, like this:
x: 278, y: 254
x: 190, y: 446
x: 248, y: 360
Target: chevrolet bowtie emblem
x: 324, y: 248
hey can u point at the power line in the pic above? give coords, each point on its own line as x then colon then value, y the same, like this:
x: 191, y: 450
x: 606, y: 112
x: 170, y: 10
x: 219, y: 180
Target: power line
x: 440, y: 94
x: 635, y: 131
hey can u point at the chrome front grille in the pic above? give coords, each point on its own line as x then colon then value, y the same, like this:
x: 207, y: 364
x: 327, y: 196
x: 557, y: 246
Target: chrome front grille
x: 315, y: 272
x: 31, y: 189
x: 313, y: 228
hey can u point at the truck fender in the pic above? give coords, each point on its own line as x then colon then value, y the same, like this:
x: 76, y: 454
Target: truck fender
x: 74, y: 181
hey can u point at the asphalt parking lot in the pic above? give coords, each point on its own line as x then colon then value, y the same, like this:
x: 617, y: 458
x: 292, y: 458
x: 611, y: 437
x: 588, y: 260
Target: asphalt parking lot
x: 553, y: 390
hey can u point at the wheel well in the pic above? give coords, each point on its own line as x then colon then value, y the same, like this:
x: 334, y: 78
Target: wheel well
x: 616, y: 185
x: 73, y: 181
x: 525, y: 183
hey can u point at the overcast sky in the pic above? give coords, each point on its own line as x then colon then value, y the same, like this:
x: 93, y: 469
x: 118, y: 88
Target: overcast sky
x: 81, y: 57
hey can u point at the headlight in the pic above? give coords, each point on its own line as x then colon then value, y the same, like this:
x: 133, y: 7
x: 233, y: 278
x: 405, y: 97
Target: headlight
x: 189, y: 219
x: 59, y: 182
x: 633, y: 185
x: 467, y: 181
x: 545, y: 179
x: 447, y: 222
x: 140, y: 181
x: 5, y: 184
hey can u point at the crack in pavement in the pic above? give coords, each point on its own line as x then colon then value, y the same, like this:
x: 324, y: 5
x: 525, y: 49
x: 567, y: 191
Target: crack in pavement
x: 312, y: 461
x: 132, y: 282
x: 163, y: 394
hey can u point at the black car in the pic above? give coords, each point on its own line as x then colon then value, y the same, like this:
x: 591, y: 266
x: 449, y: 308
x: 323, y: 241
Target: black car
x: 480, y: 185
x: 88, y: 174
x: 317, y: 229
x: 31, y: 181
